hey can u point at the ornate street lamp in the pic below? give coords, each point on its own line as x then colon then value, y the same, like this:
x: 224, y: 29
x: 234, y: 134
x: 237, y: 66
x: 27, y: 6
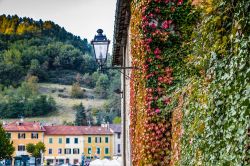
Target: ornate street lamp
x: 101, y: 46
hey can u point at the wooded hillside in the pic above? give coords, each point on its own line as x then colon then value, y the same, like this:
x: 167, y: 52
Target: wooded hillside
x: 32, y: 52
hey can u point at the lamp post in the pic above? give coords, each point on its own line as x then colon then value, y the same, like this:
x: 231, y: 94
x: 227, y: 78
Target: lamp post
x: 41, y: 152
x: 100, y: 44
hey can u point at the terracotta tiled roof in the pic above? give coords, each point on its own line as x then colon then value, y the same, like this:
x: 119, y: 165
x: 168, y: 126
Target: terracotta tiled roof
x: 23, y: 126
x: 95, y: 130
x: 62, y: 130
x: 16, y: 126
x: 76, y: 130
x: 115, y: 128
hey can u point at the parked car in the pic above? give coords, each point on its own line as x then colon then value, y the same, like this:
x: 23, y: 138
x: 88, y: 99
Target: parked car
x: 7, y: 162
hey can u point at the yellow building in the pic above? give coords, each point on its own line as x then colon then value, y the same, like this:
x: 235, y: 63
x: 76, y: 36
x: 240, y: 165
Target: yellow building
x: 98, y: 142
x: 23, y: 133
x: 64, y: 144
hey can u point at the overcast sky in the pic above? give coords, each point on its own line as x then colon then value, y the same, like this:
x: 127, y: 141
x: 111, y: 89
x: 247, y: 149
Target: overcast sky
x: 80, y: 17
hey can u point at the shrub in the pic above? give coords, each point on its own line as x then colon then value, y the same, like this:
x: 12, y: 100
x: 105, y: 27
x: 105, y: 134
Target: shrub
x: 77, y: 91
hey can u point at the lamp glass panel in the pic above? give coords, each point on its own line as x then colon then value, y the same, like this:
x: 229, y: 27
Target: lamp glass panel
x: 101, y: 49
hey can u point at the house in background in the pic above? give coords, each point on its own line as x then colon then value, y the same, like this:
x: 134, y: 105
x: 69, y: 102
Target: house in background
x: 116, y: 129
x: 64, y: 144
x: 98, y: 142
x: 23, y: 133
x: 67, y: 144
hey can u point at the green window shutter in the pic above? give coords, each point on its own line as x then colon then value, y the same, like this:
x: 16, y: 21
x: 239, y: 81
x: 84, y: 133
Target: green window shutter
x: 89, y: 139
x: 50, y: 140
x: 106, y: 150
x: 106, y: 139
x: 98, y: 150
x: 60, y: 140
x: 76, y: 140
x: 89, y: 150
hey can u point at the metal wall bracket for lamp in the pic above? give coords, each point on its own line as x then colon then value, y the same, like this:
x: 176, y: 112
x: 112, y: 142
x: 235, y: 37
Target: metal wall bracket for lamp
x: 101, y: 45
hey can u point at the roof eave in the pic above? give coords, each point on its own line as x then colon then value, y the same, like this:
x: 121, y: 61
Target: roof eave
x: 122, y: 18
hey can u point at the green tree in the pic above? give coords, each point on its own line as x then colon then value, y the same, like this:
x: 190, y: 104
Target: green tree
x: 36, y: 70
x: 35, y: 150
x: 117, y: 120
x: 81, y: 116
x: 38, y: 148
x: 30, y: 148
x: 102, y: 86
x: 6, y: 147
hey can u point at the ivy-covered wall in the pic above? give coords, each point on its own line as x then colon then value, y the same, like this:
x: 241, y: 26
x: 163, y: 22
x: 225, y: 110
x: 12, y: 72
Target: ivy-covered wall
x: 217, y: 103
x: 190, y: 100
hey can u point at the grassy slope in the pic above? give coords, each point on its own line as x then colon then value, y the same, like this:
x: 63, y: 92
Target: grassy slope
x: 64, y: 111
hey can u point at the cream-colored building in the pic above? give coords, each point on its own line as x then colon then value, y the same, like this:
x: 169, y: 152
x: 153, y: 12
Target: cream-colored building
x: 64, y: 144
x: 67, y: 144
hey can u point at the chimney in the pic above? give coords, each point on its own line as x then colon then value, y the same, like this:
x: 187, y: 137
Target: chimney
x: 4, y: 123
x: 89, y: 124
x: 21, y: 121
x: 107, y: 125
x: 41, y: 125
x: 103, y: 123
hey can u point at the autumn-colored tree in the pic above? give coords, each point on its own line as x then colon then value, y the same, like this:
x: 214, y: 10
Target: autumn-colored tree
x: 76, y: 91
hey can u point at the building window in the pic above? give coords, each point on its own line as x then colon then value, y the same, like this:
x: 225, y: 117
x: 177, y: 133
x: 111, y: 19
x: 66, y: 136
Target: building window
x: 98, y: 150
x: 21, y: 148
x: 50, y: 151
x: 119, y: 148
x: 60, y: 140
x: 89, y: 150
x: 76, y: 140
x: 119, y: 135
x: 106, y: 150
x: 76, y: 151
x: 51, y: 140
x: 89, y: 139
x: 98, y: 139
x: 106, y: 139
x: 34, y: 135
x: 67, y: 140
x: 59, y: 151
x: 67, y: 151
x: 21, y: 135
